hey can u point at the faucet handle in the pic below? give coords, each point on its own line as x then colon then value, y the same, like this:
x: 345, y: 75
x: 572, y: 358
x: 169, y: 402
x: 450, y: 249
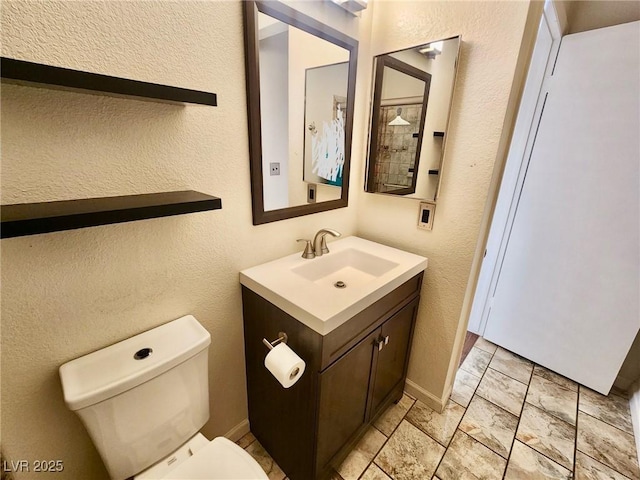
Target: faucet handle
x: 322, y: 248
x: 323, y: 244
x: 308, y: 248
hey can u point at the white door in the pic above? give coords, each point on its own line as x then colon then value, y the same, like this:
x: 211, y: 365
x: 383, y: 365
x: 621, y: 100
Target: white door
x: 568, y: 290
x: 533, y: 97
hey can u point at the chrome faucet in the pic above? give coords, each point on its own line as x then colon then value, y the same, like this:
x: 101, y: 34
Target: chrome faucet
x: 319, y: 245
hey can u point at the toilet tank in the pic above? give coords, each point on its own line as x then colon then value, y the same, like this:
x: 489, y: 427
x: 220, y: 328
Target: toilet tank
x: 143, y: 397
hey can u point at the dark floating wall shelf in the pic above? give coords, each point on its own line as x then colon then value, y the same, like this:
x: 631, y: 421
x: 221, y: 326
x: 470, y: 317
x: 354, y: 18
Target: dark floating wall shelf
x: 46, y: 76
x: 438, y: 134
x: 33, y: 218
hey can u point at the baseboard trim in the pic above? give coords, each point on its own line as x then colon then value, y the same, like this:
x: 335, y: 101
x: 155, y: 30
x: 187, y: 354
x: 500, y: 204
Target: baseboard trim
x: 239, y: 431
x: 426, y: 397
x: 634, y: 405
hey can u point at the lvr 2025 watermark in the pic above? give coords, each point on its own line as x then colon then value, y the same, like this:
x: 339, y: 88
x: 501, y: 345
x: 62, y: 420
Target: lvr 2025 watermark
x: 36, y: 466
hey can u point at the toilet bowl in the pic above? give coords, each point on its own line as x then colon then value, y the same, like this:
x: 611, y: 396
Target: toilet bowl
x: 199, y: 458
x: 143, y: 401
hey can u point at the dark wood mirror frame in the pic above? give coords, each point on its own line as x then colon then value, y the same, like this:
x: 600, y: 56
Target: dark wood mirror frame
x: 382, y: 62
x: 303, y: 22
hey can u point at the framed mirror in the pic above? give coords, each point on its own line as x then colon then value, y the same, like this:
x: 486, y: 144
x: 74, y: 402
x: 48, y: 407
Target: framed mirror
x: 412, y: 94
x: 300, y: 97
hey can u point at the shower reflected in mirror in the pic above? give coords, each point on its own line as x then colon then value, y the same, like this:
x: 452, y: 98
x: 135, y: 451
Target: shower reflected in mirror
x: 412, y: 96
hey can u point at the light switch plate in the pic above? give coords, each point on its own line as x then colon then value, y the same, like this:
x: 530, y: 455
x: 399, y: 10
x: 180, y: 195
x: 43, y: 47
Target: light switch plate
x: 425, y: 215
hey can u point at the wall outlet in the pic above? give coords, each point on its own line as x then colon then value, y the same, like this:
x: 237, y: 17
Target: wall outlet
x: 425, y: 215
x: 274, y: 168
x: 311, y: 192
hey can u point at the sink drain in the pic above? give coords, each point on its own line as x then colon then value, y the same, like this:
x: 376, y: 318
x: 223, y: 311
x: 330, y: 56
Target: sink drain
x: 340, y: 284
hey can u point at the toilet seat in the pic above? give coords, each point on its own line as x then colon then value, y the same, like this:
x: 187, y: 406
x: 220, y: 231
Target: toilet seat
x: 219, y: 459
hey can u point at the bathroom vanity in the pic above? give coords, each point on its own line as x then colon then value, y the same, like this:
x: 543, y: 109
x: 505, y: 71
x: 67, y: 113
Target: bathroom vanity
x: 355, y: 345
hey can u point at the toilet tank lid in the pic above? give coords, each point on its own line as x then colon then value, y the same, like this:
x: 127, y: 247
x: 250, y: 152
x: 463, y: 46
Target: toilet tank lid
x: 110, y: 371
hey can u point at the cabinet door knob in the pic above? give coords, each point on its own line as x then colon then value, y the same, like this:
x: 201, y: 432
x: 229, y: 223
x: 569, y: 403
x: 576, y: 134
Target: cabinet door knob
x: 386, y: 340
x: 379, y: 342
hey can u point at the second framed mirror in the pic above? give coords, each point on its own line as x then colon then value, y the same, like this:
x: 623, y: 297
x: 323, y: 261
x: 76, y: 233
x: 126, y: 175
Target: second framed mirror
x: 300, y: 99
x: 412, y: 95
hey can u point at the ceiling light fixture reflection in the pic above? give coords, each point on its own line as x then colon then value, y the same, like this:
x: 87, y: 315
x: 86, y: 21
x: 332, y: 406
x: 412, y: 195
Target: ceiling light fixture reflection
x: 431, y: 50
x: 352, y: 6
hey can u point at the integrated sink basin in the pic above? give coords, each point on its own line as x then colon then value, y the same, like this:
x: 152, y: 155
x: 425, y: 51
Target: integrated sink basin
x: 349, y: 268
x: 325, y: 291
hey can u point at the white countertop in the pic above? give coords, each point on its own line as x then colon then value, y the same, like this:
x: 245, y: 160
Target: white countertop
x: 306, y: 291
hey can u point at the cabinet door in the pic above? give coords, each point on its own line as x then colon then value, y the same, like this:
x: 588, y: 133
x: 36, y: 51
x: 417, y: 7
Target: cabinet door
x: 343, y: 398
x: 392, y: 359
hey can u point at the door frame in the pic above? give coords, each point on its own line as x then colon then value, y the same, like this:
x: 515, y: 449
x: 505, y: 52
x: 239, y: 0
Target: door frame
x: 553, y: 24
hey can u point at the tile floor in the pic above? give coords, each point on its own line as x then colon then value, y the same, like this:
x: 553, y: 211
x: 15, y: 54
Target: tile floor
x: 507, y: 419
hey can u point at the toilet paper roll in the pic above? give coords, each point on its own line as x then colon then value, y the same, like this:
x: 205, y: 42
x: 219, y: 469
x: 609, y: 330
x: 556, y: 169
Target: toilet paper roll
x: 284, y: 364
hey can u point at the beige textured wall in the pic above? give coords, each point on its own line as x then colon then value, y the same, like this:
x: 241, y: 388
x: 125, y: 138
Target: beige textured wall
x: 66, y: 294
x: 630, y: 370
x: 491, y: 35
x: 585, y: 15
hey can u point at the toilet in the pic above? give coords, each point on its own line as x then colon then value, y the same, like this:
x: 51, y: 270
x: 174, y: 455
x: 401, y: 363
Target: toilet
x: 143, y: 401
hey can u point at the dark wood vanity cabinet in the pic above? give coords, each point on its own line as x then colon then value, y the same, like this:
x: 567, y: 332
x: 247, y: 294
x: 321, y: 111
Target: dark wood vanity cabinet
x: 342, y: 403
x: 390, y: 366
x: 363, y: 381
x: 352, y: 375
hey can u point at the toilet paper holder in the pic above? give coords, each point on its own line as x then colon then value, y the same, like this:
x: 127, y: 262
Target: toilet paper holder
x: 282, y: 338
